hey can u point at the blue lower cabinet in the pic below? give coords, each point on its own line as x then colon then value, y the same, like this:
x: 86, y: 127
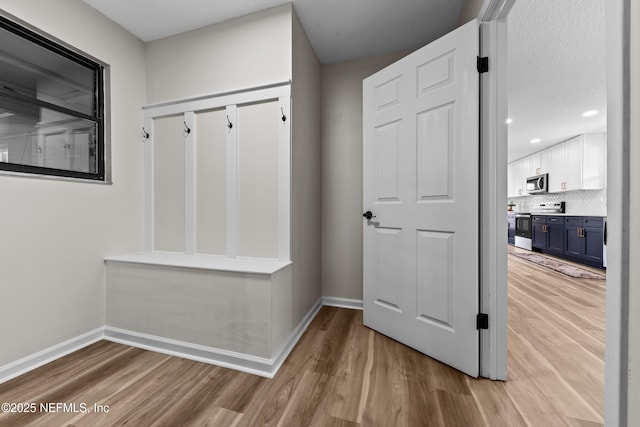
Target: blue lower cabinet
x: 584, y: 239
x: 538, y: 231
x: 555, y: 235
x: 548, y: 233
x: 578, y: 238
x: 593, y: 241
x: 573, y: 241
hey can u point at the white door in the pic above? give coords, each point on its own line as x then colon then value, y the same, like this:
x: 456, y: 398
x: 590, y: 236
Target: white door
x: 421, y: 175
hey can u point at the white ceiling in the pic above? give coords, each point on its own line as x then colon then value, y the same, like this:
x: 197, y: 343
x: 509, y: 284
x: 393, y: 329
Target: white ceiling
x: 556, y: 48
x: 339, y: 30
x: 556, y: 71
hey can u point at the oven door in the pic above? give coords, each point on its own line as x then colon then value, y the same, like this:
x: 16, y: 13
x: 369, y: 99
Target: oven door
x: 523, y: 232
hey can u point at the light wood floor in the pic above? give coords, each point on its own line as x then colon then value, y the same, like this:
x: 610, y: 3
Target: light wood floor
x: 343, y: 374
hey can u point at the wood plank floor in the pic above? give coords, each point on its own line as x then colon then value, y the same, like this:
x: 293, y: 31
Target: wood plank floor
x: 343, y: 374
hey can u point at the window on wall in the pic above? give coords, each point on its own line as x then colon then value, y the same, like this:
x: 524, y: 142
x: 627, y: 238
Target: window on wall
x: 51, y: 107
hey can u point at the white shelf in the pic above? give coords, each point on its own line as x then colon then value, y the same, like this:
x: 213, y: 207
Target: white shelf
x: 203, y: 262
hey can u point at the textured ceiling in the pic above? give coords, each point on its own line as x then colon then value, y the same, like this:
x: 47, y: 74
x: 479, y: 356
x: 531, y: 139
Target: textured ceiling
x: 556, y: 71
x: 339, y: 30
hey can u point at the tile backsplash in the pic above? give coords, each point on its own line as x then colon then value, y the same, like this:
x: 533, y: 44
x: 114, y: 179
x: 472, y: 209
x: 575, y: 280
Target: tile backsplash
x: 579, y: 202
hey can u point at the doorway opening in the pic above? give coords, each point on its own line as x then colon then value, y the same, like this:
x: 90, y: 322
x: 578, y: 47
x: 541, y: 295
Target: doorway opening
x: 556, y: 125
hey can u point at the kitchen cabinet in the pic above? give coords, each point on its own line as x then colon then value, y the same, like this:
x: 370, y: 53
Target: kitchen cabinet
x: 538, y: 227
x: 548, y: 233
x: 594, y: 161
x: 555, y: 235
x: 566, y: 166
x: 556, y: 167
x: 517, y: 173
x: 511, y: 228
x: 511, y: 192
x: 584, y: 239
x: 573, y: 165
x: 576, y: 238
x: 539, y: 163
x: 578, y: 163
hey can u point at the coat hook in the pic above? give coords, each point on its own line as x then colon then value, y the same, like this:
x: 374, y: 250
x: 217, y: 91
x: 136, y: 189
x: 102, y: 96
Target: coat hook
x: 145, y: 134
x: 187, y: 131
x: 229, y: 125
x: 284, y: 118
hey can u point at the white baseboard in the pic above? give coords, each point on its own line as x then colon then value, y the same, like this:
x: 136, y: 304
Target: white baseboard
x: 228, y: 359
x: 354, y: 304
x: 33, y: 361
x: 283, y: 352
x: 242, y: 362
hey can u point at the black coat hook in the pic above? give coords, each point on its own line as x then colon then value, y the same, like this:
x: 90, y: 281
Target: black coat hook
x: 284, y: 118
x: 145, y: 134
x: 187, y: 131
x: 229, y: 124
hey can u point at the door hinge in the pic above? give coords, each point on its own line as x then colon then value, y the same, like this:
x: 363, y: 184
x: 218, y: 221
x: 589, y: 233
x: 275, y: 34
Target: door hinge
x: 483, y: 64
x: 482, y: 321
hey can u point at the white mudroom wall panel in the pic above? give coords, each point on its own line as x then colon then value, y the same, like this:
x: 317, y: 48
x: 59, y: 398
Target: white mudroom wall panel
x: 211, y: 182
x: 258, y: 179
x: 169, y: 184
x: 218, y: 174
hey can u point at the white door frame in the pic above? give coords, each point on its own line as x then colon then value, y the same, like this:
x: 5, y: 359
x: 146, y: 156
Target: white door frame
x: 494, y: 176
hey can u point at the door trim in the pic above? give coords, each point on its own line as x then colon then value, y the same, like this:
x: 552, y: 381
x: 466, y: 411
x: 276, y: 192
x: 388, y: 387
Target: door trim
x: 493, y: 179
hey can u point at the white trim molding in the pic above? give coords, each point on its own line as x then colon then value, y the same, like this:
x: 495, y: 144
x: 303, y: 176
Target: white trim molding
x: 228, y: 359
x: 354, y: 304
x: 36, y: 360
x: 493, y: 188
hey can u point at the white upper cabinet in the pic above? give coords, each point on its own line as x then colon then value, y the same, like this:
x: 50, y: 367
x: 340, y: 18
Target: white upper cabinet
x: 517, y: 173
x: 511, y: 191
x: 573, y: 168
x: 576, y: 164
x: 557, y: 162
x: 594, y: 163
x: 539, y: 163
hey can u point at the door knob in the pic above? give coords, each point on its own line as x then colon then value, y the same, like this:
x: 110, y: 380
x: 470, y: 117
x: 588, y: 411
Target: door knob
x: 368, y: 215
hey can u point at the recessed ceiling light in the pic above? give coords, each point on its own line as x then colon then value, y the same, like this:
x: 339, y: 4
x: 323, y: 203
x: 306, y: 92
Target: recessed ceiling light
x: 508, y: 121
x: 535, y: 140
x: 590, y: 113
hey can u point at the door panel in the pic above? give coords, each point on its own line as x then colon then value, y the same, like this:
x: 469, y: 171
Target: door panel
x: 386, y: 163
x: 420, y: 172
x: 434, y: 141
x: 388, y: 267
x: 435, y: 277
x: 435, y: 73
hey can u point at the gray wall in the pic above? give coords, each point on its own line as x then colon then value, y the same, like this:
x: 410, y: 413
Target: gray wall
x: 248, y: 51
x: 342, y: 174
x: 56, y: 234
x: 470, y: 11
x: 306, y: 183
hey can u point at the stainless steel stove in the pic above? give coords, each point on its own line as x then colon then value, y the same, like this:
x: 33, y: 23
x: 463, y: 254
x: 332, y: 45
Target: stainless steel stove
x: 523, y: 230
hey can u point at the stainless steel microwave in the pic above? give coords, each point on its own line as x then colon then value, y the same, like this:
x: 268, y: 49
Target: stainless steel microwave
x: 538, y: 184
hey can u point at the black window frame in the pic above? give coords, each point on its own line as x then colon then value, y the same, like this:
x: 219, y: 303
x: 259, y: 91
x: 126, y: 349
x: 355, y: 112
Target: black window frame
x: 97, y: 117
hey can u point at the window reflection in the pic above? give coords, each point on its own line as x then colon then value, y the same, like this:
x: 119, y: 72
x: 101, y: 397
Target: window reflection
x: 49, y: 139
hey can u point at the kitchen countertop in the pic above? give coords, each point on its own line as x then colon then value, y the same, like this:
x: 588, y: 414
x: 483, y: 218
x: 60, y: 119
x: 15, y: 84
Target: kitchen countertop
x: 556, y: 214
